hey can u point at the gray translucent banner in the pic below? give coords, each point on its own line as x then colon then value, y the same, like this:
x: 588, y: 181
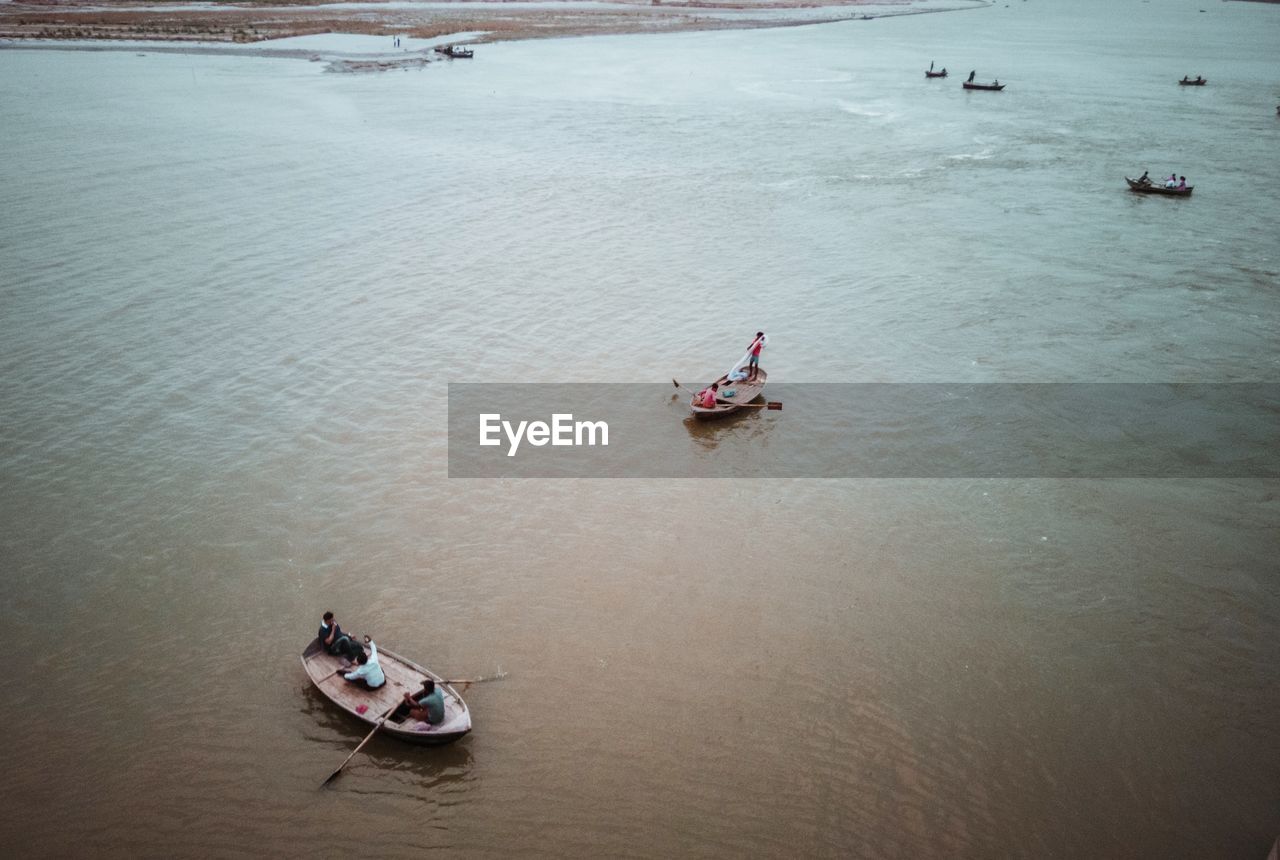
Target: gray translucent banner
x: 873, y: 430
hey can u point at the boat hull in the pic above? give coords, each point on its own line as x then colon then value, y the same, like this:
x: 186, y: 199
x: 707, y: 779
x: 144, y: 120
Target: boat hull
x: 744, y: 392
x: 995, y: 88
x: 1198, y: 83
x: 403, y: 676
x: 1136, y: 186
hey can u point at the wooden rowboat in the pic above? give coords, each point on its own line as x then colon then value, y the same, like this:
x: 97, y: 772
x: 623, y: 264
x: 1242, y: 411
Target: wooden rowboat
x: 743, y: 392
x: 455, y: 52
x: 1154, y: 188
x: 992, y: 87
x: 941, y: 74
x: 403, y: 676
x: 1198, y: 82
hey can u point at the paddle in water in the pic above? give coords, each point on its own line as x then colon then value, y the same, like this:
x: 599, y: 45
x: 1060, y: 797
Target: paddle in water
x: 381, y: 722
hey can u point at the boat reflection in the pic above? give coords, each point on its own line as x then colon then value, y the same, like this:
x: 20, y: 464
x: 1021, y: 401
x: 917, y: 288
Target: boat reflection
x: 738, y: 429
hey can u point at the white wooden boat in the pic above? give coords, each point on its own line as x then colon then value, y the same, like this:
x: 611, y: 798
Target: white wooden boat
x: 743, y: 392
x: 403, y: 676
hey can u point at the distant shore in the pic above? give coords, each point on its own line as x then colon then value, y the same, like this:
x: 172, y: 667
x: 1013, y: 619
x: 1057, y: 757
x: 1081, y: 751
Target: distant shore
x: 246, y: 24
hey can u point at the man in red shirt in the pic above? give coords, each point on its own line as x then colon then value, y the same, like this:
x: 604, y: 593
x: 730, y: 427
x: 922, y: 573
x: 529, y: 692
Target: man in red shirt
x: 754, y: 349
x: 707, y: 397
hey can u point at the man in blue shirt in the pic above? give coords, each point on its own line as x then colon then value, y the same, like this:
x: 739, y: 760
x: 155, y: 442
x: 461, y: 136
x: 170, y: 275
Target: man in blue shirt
x: 428, y: 706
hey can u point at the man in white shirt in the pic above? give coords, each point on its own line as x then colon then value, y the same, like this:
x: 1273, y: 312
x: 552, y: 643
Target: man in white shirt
x: 369, y: 671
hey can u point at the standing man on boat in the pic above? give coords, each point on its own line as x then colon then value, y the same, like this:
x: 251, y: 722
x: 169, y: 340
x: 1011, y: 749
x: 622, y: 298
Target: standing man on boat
x: 753, y: 364
x: 335, y: 641
x: 971, y: 74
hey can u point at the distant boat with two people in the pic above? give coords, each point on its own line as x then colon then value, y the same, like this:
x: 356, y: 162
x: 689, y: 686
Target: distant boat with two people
x: 455, y: 52
x: 1197, y: 81
x: 930, y: 73
x: 994, y: 86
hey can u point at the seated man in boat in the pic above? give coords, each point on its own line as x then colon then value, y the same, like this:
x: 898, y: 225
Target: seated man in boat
x: 1145, y: 178
x: 1172, y: 181
x: 706, y: 398
x: 1182, y: 183
x: 427, y: 705
x: 335, y: 641
x: 369, y: 671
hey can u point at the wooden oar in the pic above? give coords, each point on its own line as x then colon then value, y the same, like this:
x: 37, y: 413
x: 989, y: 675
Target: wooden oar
x: 678, y: 385
x: 381, y: 723
x: 772, y: 405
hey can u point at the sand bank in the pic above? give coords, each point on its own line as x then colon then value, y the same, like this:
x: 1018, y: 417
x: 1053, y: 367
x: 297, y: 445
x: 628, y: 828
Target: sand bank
x: 259, y: 27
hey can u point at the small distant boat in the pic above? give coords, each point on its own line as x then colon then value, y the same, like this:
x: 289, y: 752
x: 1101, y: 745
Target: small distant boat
x: 941, y: 74
x: 1153, y: 188
x: 455, y: 52
x: 403, y: 676
x: 1190, y: 82
x: 994, y: 87
x: 742, y: 392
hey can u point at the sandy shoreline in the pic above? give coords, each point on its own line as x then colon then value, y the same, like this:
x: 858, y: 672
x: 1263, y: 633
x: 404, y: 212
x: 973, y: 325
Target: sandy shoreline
x: 250, y: 28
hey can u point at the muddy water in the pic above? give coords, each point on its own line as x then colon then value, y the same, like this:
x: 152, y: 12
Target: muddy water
x: 234, y: 291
